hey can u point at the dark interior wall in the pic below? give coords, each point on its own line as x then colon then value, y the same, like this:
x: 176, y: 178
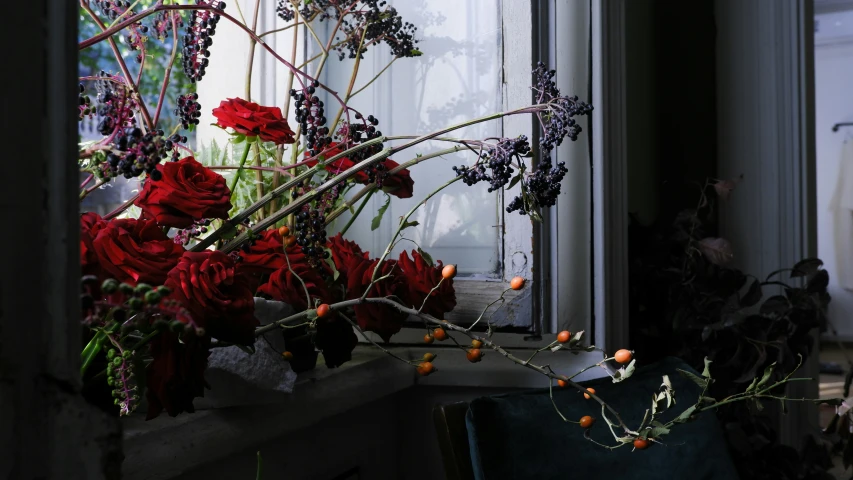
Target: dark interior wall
x: 670, y: 47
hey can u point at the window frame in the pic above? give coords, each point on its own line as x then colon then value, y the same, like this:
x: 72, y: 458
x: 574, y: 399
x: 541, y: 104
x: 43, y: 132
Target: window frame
x: 557, y: 287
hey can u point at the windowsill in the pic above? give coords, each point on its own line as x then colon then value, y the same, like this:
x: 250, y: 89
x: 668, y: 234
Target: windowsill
x: 166, y: 447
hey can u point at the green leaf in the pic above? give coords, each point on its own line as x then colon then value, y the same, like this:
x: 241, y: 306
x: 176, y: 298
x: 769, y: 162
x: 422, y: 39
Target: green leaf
x: 707, y: 371
x: 695, y: 378
x: 514, y: 181
x: 685, y: 415
x: 766, y: 377
x: 410, y: 224
x: 426, y: 257
x: 91, y: 351
x: 658, y: 432
x: 752, y: 385
x: 752, y: 296
x: 377, y: 220
x: 807, y: 267
x: 415, y: 52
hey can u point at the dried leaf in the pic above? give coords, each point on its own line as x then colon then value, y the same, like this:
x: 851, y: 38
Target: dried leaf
x: 835, y: 402
x: 724, y: 188
x: 695, y: 378
x: 707, y: 371
x: 625, y: 372
x: 658, y: 432
x: 717, y: 250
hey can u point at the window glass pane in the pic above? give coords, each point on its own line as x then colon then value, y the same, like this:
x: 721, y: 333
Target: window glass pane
x: 457, y: 78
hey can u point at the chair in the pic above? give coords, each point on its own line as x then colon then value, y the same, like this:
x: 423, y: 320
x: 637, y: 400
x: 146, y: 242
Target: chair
x: 519, y: 435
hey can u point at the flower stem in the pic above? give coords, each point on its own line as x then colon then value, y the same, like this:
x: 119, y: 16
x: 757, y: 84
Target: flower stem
x: 358, y: 211
x: 240, y: 168
x: 374, y: 78
x: 168, y: 72
x: 121, y: 63
x: 259, y: 176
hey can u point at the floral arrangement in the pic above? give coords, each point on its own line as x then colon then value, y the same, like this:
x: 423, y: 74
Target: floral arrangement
x: 164, y: 288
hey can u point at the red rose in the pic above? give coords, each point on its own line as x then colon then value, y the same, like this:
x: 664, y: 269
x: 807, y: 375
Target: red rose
x: 383, y: 319
x: 176, y: 375
x: 400, y: 184
x: 266, y: 254
x: 285, y: 286
x: 90, y: 224
x: 253, y: 120
x: 342, y: 252
x: 420, y: 280
x: 218, y: 300
x: 134, y: 251
x: 186, y: 191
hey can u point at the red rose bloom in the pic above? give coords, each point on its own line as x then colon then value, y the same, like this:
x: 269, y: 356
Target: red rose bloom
x: 218, y: 300
x: 253, y: 120
x: 284, y: 285
x: 342, y: 252
x: 266, y: 254
x: 90, y: 224
x: 186, y: 191
x: 176, y: 375
x: 134, y: 251
x: 420, y: 280
x: 400, y: 184
x: 383, y: 319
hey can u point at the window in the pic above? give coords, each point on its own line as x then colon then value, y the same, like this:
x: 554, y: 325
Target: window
x: 476, y: 60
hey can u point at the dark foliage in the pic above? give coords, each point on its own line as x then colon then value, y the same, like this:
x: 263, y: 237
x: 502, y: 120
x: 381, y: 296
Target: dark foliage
x: 686, y: 302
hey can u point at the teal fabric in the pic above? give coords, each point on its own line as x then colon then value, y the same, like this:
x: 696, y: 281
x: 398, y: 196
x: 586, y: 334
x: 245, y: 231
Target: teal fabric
x: 519, y: 436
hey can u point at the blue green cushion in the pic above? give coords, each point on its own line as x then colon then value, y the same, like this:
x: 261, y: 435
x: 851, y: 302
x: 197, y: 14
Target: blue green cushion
x: 520, y: 436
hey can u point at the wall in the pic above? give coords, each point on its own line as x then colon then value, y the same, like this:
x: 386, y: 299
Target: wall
x: 834, y: 103
x: 392, y: 437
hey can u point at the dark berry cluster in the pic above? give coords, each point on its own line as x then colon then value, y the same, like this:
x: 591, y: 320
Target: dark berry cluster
x: 500, y: 159
x: 360, y: 132
x: 311, y: 115
x: 139, y: 153
x: 188, y: 110
x: 287, y: 12
x: 542, y: 188
x: 311, y: 235
x: 112, y: 9
x: 364, y: 23
x: 184, y: 236
x: 559, y: 122
x: 198, y: 38
x: 163, y: 23
x: 85, y: 104
x: 116, y: 106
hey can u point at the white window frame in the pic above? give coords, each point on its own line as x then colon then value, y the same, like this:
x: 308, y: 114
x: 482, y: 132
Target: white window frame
x: 568, y: 290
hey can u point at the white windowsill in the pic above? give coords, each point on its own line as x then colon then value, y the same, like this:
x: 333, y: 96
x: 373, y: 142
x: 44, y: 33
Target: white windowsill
x: 165, y: 447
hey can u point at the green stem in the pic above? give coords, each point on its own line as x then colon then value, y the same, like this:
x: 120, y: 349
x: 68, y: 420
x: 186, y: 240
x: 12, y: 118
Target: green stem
x: 91, y: 351
x: 374, y: 78
x: 357, y: 212
x: 400, y: 227
x: 240, y: 168
x: 352, y: 78
x: 370, y: 187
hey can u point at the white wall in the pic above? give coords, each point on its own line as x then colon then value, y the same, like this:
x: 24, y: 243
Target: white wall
x: 834, y: 103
